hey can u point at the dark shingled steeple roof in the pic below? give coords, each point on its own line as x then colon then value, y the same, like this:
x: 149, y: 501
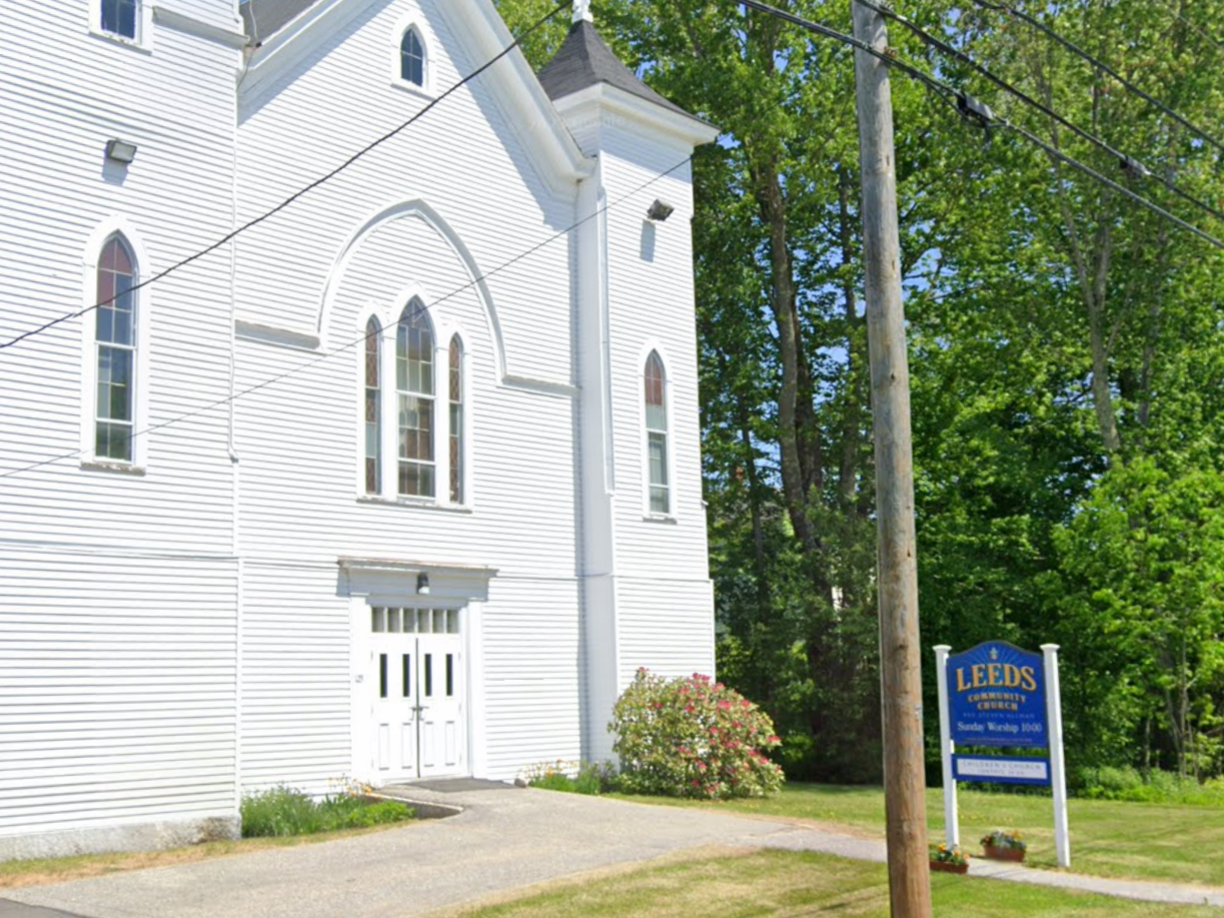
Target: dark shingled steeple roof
x: 584, y: 60
x: 264, y: 18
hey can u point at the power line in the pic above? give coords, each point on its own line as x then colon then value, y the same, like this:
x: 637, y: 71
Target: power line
x: 1126, y: 192
x: 347, y: 346
x: 946, y: 92
x: 972, y: 108
x: 565, y: 4
x: 1100, y: 64
x: 1130, y: 164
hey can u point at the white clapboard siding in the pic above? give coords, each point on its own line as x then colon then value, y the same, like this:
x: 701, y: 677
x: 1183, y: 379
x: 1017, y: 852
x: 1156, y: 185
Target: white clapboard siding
x: 171, y: 638
x: 119, y: 687
x: 684, y: 646
x: 531, y: 674
x: 295, y: 678
x: 118, y: 648
x: 652, y: 304
x: 462, y: 158
x: 65, y: 92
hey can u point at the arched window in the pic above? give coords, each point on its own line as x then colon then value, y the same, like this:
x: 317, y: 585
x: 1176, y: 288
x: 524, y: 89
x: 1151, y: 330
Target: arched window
x: 412, y: 58
x: 456, y: 421
x: 373, y: 408
x: 119, y: 17
x: 115, y: 336
x: 414, y: 372
x: 656, y: 434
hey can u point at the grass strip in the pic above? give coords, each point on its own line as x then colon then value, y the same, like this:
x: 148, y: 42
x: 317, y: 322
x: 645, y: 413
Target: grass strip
x: 787, y: 884
x: 1171, y: 842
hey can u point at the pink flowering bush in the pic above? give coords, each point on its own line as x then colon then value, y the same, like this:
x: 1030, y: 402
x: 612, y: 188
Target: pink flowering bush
x: 692, y: 738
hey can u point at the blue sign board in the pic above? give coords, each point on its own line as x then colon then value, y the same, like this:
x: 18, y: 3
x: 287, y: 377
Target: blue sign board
x: 996, y: 693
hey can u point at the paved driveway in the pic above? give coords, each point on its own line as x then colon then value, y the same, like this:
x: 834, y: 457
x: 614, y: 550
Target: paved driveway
x: 504, y: 839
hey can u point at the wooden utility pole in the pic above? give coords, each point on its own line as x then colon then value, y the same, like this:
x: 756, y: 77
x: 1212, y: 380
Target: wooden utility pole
x: 900, y: 652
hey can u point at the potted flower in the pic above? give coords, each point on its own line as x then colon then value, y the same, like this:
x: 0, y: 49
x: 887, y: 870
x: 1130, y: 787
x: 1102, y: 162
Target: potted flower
x: 949, y: 860
x: 1004, y: 846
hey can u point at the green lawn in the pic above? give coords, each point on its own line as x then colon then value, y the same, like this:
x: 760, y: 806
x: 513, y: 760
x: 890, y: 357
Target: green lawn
x: 787, y: 884
x: 1110, y: 839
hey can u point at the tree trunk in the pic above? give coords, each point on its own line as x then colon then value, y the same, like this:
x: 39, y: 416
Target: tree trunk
x: 760, y: 567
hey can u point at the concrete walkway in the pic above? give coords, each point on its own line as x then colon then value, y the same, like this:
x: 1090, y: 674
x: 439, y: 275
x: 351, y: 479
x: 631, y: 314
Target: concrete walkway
x: 504, y: 839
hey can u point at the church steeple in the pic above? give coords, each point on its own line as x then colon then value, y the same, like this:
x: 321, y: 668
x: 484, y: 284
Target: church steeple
x: 584, y: 60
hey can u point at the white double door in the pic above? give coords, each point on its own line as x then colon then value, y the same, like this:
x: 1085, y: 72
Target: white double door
x: 416, y: 680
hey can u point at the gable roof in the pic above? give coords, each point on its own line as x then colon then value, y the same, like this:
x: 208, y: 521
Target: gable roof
x: 263, y: 18
x: 584, y: 60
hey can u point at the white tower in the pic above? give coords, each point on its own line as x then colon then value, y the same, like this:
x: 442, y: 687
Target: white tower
x: 635, y: 299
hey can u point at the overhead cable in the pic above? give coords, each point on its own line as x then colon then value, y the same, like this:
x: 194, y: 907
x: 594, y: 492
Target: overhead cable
x: 943, y: 90
x: 971, y: 107
x: 433, y: 103
x: 1129, y: 164
x: 1101, y: 65
x: 349, y: 345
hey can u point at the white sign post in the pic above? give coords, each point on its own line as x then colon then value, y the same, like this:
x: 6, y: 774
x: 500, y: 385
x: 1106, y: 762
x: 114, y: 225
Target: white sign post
x: 1058, y: 767
x: 946, y: 748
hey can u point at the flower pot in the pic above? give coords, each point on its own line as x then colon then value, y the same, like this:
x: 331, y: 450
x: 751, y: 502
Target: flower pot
x: 946, y: 867
x: 1004, y: 854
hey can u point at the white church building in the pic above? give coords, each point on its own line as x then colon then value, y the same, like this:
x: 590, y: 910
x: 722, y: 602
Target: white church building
x: 400, y: 482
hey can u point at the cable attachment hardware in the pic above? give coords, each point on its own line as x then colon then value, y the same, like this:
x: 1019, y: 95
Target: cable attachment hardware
x: 975, y: 109
x: 1133, y: 167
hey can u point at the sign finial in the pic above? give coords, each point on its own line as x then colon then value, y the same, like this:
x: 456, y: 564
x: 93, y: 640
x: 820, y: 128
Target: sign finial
x: 582, y: 11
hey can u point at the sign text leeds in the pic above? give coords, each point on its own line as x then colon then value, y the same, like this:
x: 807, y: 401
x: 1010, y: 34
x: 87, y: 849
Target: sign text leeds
x: 997, y: 696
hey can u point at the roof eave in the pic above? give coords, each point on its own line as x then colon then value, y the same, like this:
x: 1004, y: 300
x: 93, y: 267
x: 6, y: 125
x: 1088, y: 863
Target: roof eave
x: 477, y: 19
x: 666, y: 122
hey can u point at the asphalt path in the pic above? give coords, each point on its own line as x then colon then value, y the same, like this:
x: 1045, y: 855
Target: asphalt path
x: 504, y: 839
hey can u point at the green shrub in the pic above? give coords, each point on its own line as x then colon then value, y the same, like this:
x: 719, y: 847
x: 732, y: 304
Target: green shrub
x: 1128, y: 784
x: 692, y: 738
x: 283, y: 811
x: 588, y: 778
x: 364, y: 814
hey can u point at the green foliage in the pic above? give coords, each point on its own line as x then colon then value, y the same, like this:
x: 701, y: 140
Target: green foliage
x: 283, y: 812
x: 1157, y: 787
x: 589, y: 778
x: 1067, y: 366
x: 942, y: 854
x: 692, y: 738
x: 1142, y: 597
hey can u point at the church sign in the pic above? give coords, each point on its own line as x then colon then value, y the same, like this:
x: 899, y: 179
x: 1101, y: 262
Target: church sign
x: 997, y: 694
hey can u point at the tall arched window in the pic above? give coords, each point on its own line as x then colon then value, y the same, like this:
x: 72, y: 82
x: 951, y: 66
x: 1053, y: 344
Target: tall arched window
x: 456, y: 421
x: 412, y: 58
x: 414, y: 372
x: 115, y: 345
x: 656, y: 434
x: 373, y: 408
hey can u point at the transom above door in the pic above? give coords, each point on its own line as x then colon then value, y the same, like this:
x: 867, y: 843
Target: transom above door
x: 415, y: 682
